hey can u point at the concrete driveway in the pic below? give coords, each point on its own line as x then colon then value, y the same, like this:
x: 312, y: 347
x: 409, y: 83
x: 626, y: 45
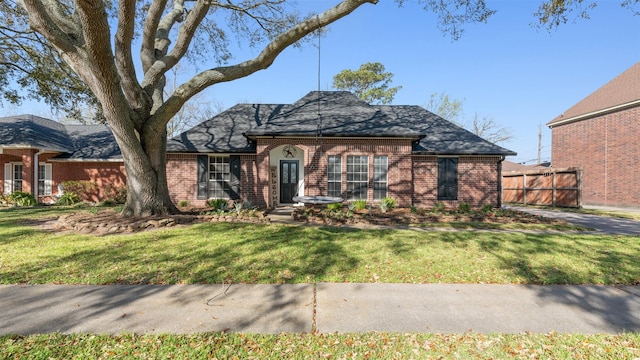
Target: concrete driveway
x: 603, y: 224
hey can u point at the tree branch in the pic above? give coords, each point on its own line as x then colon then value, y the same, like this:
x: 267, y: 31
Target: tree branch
x: 41, y: 18
x: 147, y: 50
x: 228, y: 73
x: 185, y: 35
x: 124, y: 60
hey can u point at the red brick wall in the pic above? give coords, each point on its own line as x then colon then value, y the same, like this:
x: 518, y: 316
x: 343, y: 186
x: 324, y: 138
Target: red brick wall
x: 315, y: 162
x: 411, y: 179
x: 24, y: 156
x: 182, y: 173
x: 608, y: 151
x: 104, y: 174
x: 477, y: 181
x: 182, y: 178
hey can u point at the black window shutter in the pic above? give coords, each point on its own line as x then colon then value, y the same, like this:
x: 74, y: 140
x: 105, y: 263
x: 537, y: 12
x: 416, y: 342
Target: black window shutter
x: 447, y: 179
x: 203, y: 174
x: 234, y: 183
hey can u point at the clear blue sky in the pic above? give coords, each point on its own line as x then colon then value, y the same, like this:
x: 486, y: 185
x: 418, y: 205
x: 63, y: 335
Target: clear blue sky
x: 506, y: 69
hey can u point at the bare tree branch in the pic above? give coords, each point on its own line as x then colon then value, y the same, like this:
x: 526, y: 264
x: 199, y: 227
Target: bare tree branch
x: 228, y: 73
x: 147, y: 50
x: 124, y: 59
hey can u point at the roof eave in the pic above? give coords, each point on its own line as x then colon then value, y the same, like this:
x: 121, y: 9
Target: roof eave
x: 356, y: 136
x: 442, y: 153
x: 608, y: 110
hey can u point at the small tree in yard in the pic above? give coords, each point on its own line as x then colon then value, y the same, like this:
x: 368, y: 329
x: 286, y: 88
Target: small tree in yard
x: 370, y: 83
x: 70, y: 52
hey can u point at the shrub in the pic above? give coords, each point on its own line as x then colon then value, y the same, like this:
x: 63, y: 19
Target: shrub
x: 247, y: 204
x: 334, y: 207
x: 238, y: 206
x: 90, y: 191
x: 464, y: 207
x: 68, y: 198
x: 439, y: 207
x: 84, y: 190
x: 218, y: 204
x: 413, y: 209
x: 116, y: 194
x: 20, y: 198
x: 359, y: 204
x: 183, y: 203
x: 487, y: 208
x: 387, y: 203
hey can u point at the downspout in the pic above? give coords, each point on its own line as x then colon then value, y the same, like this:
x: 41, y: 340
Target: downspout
x: 36, y: 173
x: 500, y: 181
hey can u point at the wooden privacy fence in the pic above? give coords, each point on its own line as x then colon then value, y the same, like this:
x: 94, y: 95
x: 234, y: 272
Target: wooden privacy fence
x: 552, y: 187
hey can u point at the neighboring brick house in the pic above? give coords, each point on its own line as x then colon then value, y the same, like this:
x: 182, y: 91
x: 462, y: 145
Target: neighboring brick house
x: 34, y: 150
x: 333, y: 144
x: 601, y: 135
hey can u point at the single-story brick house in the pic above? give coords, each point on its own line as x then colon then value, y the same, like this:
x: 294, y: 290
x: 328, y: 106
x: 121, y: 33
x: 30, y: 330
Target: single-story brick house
x: 325, y: 144
x: 35, y: 150
x: 331, y: 143
x: 600, y: 134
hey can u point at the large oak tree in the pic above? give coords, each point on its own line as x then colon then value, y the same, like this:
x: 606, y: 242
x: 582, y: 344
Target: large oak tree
x: 74, y: 51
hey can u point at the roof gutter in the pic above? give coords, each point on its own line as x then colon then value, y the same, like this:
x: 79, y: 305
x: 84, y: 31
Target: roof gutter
x: 594, y: 113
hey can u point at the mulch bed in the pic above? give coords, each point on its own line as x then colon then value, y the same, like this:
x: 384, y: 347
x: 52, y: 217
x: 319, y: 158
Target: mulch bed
x: 108, y: 221
x: 403, y: 216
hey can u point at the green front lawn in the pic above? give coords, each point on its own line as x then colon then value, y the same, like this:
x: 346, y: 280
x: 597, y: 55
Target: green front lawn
x: 323, y: 346
x: 221, y: 252
x: 250, y: 253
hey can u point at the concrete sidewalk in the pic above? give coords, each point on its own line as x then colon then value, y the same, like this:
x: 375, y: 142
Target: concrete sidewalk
x: 327, y: 307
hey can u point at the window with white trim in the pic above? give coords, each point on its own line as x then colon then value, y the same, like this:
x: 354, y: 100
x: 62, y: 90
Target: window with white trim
x: 44, y: 180
x: 380, y: 170
x: 334, y: 175
x: 17, y: 177
x: 357, y: 177
x: 219, y: 177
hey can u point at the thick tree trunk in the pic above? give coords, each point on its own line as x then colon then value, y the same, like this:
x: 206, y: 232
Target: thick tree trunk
x: 144, y: 155
x: 147, y: 190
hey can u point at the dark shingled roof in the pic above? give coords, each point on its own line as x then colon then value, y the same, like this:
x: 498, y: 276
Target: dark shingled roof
x: 343, y: 115
x: 77, y: 142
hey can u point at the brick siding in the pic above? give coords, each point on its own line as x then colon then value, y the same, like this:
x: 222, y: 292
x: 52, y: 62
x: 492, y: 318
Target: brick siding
x: 608, y: 151
x: 103, y: 174
x: 478, y: 181
x: 411, y: 179
x: 106, y: 175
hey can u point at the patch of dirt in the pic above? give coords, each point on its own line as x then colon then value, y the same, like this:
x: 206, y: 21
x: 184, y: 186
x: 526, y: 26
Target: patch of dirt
x: 107, y: 221
x: 402, y: 216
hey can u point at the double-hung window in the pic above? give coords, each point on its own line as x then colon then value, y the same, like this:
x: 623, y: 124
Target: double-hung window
x: 219, y: 177
x: 447, y: 179
x: 334, y: 175
x: 17, y: 177
x: 357, y: 177
x: 12, y: 177
x: 380, y: 170
x: 44, y: 180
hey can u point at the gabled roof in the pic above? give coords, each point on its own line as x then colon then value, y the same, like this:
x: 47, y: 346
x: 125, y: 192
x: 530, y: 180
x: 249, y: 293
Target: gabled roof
x: 343, y: 115
x: 621, y: 92
x: 75, y: 142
